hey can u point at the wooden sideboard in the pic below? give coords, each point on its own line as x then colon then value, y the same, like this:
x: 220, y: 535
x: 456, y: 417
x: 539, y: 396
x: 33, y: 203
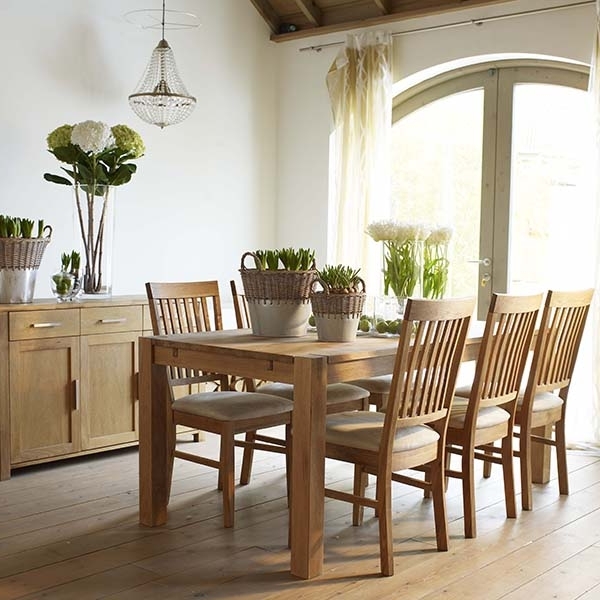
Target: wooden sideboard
x: 68, y: 378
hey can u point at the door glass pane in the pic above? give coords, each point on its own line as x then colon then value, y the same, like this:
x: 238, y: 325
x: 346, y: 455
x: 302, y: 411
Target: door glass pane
x: 552, y: 218
x: 436, y: 177
x: 552, y: 240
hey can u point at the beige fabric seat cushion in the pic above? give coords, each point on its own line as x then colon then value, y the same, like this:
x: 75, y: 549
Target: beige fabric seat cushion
x: 375, y: 385
x: 232, y: 406
x: 363, y: 430
x: 336, y: 392
x: 542, y: 402
x: 487, y: 417
x: 464, y: 391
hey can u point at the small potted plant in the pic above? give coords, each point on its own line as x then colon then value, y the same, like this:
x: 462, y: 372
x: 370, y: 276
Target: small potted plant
x: 338, y: 306
x: 277, y: 290
x: 20, y: 256
x: 66, y: 284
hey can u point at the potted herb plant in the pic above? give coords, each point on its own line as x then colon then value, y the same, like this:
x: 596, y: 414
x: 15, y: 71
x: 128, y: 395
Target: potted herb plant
x: 20, y: 256
x: 277, y: 290
x: 338, y: 306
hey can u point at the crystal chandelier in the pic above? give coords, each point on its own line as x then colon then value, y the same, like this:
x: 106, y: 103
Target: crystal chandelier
x: 161, y: 98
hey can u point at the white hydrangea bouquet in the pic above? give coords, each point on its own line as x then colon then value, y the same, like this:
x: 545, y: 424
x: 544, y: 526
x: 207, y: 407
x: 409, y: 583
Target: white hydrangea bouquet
x: 99, y: 158
x: 410, y: 260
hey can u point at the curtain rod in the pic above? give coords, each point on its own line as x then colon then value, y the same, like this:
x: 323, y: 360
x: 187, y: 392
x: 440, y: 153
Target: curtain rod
x: 535, y: 11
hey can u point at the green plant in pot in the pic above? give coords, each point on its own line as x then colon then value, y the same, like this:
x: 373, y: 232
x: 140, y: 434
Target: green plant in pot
x: 277, y: 290
x: 337, y: 307
x: 66, y: 284
x: 21, y: 249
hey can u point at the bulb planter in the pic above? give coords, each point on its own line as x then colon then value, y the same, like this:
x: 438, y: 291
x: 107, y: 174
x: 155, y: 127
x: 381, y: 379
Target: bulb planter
x: 337, y: 315
x: 20, y: 260
x: 278, y: 299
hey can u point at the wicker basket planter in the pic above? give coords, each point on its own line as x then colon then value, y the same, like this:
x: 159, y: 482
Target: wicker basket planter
x: 337, y: 314
x: 20, y: 260
x: 278, y: 299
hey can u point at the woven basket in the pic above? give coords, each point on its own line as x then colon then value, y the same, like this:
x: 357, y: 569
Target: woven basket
x: 345, y: 305
x: 22, y: 253
x: 276, y: 285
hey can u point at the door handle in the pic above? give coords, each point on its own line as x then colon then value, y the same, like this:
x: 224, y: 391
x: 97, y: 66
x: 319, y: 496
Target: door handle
x: 486, y: 262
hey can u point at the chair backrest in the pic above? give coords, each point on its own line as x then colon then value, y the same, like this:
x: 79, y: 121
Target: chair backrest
x: 240, y: 306
x: 432, y: 340
x: 557, y: 343
x: 186, y: 307
x: 509, y: 329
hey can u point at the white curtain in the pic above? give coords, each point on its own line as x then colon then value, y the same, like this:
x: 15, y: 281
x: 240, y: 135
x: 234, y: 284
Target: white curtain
x: 594, y: 88
x: 360, y: 89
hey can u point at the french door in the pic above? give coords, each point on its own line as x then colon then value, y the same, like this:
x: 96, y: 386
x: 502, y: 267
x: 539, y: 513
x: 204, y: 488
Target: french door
x: 501, y: 153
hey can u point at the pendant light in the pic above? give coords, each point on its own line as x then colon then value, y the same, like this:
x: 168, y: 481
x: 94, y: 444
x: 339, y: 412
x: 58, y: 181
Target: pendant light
x: 161, y: 98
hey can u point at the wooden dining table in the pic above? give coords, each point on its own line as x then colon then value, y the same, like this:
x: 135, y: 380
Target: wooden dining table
x: 306, y: 363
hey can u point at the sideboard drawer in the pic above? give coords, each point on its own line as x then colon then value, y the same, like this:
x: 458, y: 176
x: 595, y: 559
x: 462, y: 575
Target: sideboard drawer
x: 40, y: 324
x: 111, y: 319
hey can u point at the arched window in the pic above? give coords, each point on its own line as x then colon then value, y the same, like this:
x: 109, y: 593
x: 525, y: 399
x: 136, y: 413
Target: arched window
x: 500, y: 151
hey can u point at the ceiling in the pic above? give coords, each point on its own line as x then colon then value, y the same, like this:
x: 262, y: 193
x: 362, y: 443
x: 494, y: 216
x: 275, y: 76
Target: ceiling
x: 293, y: 19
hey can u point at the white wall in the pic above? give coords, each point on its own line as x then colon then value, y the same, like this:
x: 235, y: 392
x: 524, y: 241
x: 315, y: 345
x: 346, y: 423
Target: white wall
x: 204, y: 192
x: 249, y: 168
x: 305, y: 117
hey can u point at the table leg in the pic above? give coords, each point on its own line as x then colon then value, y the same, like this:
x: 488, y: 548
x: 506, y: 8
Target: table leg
x: 153, y: 455
x: 540, y: 456
x: 308, y: 467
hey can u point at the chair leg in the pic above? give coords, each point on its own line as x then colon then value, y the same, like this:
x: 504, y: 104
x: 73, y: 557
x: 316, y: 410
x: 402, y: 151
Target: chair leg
x: 386, y: 538
x: 171, y: 441
x: 468, y: 489
x: 227, y: 476
x: 247, y: 458
x: 526, y: 476
x: 438, y: 492
x: 509, y: 477
x: 447, y: 458
x: 360, y: 486
x: 561, y: 457
x: 487, y: 466
x: 288, y: 462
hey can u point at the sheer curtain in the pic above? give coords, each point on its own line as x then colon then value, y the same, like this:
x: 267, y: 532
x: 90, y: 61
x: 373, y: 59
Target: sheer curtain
x: 360, y: 89
x: 594, y: 88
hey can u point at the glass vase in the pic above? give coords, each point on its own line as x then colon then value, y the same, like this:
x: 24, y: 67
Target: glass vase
x: 403, y: 268
x: 435, y: 270
x: 63, y: 285
x: 94, y: 218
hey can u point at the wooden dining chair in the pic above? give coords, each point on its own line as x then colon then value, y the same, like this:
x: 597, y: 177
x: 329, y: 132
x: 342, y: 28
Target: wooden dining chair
x: 484, y: 412
x: 412, y: 431
x: 340, y: 396
x: 192, y: 307
x: 542, y: 407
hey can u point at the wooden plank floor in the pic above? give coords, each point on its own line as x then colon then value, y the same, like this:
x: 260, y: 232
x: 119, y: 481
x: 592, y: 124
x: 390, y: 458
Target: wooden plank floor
x: 69, y: 531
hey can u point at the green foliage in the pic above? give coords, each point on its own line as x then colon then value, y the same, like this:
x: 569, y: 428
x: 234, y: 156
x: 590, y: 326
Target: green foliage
x: 111, y: 166
x: 402, y: 264
x: 340, y: 278
x: 290, y: 259
x: 70, y: 262
x: 17, y: 227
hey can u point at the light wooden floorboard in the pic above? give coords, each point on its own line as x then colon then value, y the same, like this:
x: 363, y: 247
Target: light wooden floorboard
x: 69, y: 530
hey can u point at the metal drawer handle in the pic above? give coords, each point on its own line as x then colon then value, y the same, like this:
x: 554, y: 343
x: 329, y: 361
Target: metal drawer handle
x: 111, y: 321
x: 45, y: 325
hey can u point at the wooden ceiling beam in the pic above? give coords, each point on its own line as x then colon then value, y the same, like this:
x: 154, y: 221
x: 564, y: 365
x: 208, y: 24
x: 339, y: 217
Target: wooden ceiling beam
x: 414, y: 9
x: 266, y: 11
x: 385, y: 6
x: 310, y: 11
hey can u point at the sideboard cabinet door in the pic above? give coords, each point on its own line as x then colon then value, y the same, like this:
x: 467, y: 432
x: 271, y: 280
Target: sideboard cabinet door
x: 109, y: 413
x: 44, y: 398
